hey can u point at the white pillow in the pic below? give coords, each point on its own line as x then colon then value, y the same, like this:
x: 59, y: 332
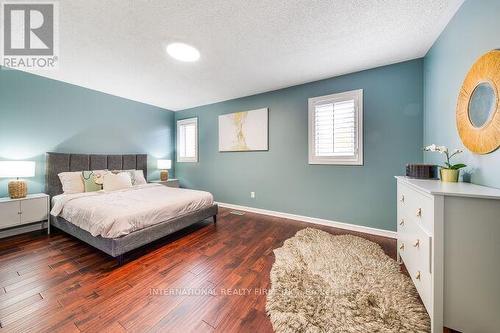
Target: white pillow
x: 139, y: 177
x: 72, y: 182
x: 113, y: 182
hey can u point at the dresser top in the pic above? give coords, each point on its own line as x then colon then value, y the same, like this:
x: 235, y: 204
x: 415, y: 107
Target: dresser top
x: 28, y: 197
x: 437, y: 187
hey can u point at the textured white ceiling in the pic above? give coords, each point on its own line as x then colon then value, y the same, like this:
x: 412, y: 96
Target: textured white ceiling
x: 247, y: 47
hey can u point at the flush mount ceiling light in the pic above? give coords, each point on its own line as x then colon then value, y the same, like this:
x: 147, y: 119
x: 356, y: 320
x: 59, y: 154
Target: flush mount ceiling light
x: 183, y: 52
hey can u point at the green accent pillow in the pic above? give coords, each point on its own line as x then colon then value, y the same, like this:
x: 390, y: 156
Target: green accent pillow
x: 92, y: 180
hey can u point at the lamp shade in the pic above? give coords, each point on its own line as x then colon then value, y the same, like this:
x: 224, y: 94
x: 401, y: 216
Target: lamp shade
x: 164, y: 164
x: 15, y: 169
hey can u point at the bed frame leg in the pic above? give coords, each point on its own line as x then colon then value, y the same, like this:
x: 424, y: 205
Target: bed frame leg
x: 215, y: 219
x: 120, y: 259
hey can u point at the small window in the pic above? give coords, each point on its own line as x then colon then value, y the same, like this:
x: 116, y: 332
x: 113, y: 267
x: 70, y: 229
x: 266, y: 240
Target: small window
x: 336, y: 129
x: 187, y: 140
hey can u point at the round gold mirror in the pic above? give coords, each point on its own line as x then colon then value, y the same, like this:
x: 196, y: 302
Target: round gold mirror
x: 478, y: 114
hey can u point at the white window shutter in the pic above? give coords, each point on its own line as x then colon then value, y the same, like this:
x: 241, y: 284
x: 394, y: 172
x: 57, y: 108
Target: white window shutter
x: 187, y: 140
x: 335, y: 125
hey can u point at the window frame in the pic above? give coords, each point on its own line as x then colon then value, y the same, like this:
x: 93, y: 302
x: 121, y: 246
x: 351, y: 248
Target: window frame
x: 357, y: 96
x: 181, y: 122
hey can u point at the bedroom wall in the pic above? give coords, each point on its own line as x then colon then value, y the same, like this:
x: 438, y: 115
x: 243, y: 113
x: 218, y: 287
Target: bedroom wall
x: 282, y: 178
x: 39, y: 115
x: 473, y: 31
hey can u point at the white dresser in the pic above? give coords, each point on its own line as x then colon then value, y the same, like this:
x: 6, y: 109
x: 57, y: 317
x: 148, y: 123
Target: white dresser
x: 449, y: 240
x: 19, y: 212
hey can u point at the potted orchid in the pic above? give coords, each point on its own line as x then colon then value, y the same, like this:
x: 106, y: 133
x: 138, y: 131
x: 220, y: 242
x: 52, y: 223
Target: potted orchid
x: 449, y: 172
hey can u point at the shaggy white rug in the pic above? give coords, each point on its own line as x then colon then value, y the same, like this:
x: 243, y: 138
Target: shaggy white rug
x: 326, y: 283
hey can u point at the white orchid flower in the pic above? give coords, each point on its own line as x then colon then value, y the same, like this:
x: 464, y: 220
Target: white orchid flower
x: 430, y: 148
x: 442, y: 149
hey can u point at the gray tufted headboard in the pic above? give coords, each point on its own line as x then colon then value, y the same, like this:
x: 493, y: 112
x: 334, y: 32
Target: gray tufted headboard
x: 61, y: 162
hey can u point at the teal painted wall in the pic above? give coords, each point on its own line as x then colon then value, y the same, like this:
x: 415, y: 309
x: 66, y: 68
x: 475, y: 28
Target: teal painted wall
x: 473, y: 31
x: 39, y: 115
x: 282, y: 178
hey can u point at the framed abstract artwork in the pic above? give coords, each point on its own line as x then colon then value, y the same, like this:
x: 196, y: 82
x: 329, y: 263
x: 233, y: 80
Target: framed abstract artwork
x: 244, y: 131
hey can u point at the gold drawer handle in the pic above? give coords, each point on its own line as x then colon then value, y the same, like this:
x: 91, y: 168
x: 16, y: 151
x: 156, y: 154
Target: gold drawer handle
x: 402, y: 222
x: 402, y: 198
x: 402, y: 246
x: 417, y: 243
x: 417, y: 276
x: 419, y: 212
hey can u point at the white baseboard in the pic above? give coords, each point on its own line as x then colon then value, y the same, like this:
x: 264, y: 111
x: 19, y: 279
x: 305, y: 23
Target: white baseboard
x: 314, y: 220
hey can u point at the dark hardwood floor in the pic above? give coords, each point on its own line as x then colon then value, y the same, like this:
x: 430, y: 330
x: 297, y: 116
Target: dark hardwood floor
x: 206, y: 278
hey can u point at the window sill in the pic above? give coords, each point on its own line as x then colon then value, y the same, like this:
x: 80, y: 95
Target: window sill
x: 357, y: 162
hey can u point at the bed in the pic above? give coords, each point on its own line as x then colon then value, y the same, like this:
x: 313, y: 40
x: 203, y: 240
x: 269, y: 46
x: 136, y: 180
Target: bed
x: 161, y: 210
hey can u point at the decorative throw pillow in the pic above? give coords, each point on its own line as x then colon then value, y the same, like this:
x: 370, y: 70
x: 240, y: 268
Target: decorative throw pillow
x: 113, y: 182
x: 93, y: 180
x: 139, y: 178
x: 72, y: 182
x: 130, y: 172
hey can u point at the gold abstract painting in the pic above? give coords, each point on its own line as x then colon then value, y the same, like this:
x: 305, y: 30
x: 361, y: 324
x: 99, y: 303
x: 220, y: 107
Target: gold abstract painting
x: 244, y: 131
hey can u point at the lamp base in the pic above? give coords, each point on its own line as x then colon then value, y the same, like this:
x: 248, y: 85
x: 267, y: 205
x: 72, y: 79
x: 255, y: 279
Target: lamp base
x: 18, y: 189
x: 164, y: 175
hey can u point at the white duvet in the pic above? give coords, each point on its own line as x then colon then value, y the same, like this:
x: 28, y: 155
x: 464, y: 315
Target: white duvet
x: 118, y: 213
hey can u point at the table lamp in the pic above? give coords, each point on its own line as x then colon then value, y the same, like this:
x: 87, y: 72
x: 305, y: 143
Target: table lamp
x: 16, y: 169
x: 164, y: 165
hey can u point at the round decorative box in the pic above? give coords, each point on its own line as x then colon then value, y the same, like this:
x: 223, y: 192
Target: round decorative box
x: 18, y: 189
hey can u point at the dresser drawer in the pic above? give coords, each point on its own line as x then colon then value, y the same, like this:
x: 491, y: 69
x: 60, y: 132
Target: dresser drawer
x: 421, y: 247
x: 403, y: 250
x: 415, y: 206
x: 423, y: 282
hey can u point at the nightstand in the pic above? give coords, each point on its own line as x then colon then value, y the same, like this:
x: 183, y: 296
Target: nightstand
x: 18, y: 212
x: 170, y: 183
